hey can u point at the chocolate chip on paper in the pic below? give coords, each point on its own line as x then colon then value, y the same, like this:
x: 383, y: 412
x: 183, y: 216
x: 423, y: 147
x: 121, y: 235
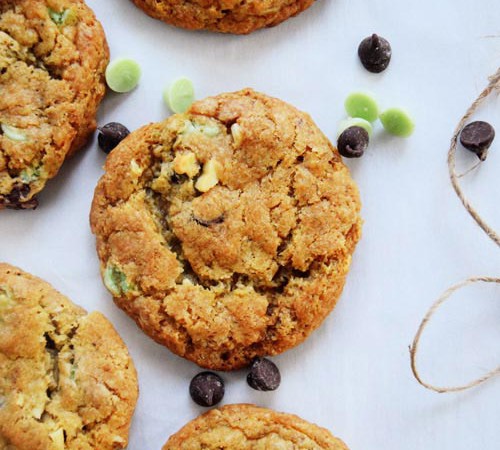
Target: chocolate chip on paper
x: 110, y: 135
x: 207, y: 389
x: 477, y: 137
x: 375, y: 53
x: 353, y: 142
x: 264, y: 375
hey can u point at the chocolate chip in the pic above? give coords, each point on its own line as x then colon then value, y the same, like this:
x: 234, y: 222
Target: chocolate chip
x: 353, y: 142
x: 111, y: 135
x: 264, y: 375
x: 178, y: 178
x: 207, y: 223
x: 375, y: 53
x: 30, y: 204
x: 477, y: 137
x: 19, y: 191
x: 16, y: 198
x: 207, y: 389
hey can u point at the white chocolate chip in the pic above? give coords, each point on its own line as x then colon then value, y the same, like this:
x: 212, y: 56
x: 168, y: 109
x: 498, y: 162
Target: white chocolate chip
x: 135, y: 168
x: 209, y: 130
x: 20, y: 400
x: 118, y: 439
x: 209, y: 178
x: 58, y: 439
x: 5, y: 300
x: 188, y: 128
x: 237, y: 134
x: 38, y: 411
x: 186, y: 163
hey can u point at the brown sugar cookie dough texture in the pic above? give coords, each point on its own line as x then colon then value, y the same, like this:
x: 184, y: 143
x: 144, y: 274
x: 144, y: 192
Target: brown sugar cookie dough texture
x: 66, y: 378
x: 227, y: 232
x: 53, y: 55
x: 226, y: 16
x: 248, y: 427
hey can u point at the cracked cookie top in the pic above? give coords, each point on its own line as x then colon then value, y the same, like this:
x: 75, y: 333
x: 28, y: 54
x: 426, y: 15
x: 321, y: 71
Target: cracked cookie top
x: 226, y: 16
x: 53, y: 55
x: 248, y: 427
x: 66, y: 378
x: 227, y: 232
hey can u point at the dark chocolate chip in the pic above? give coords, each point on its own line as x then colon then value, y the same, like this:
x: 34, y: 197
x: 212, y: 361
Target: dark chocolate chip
x: 207, y: 223
x: 178, y: 178
x: 29, y: 204
x: 477, y: 137
x: 353, y: 142
x: 18, y: 192
x: 110, y: 135
x: 207, y: 389
x: 16, y: 198
x: 375, y: 53
x: 264, y: 375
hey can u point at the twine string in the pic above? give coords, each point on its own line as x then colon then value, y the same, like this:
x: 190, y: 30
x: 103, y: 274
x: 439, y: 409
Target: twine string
x: 416, y: 341
x: 475, y: 166
x: 493, y: 85
x: 454, y: 177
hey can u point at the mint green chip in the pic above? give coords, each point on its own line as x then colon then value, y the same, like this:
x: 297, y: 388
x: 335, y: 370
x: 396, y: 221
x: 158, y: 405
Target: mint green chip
x: 30, y: 174
x: 13, y: 133
x: 355, y: 122
x: 116, y: 281
x: 65, y: 17
x: 179, y: 96
x: 123, y: 75
x: 361, y: 105
x: 397, y: 122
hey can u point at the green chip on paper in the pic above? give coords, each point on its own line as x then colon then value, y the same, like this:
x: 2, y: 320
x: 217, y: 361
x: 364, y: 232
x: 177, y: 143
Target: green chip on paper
x: 179, y: 96
x: 397, y: 122
x: 359, y: 104
x: 123, y: 75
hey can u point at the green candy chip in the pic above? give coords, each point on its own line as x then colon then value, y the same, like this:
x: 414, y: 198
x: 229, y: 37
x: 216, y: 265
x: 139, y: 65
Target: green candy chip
x: 13, y: 133
x: 123, y: 75
x: 354, y: 122
x: 179, y: 96
x: 65, y: 17
x: 116, y: 281
x: 30, y: 174
x: 361, y: 105
x: 397, y: 122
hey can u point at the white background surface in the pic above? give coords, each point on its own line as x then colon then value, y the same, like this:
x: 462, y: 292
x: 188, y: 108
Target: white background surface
x: 352, y: 376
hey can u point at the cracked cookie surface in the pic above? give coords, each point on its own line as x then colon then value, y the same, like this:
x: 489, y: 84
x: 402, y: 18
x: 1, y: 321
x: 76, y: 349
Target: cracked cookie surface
x: 66, y: 378
x: 53, y: 55
x: 227, y: 232
x: 226, y: 16
x: 248, y: 427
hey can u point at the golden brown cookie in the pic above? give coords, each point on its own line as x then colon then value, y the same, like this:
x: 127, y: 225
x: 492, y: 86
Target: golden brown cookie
x: 53, y: 55
x: 228, y: 16
x: 248, y: 427
x: 227, y: 232
x: 66, y: 378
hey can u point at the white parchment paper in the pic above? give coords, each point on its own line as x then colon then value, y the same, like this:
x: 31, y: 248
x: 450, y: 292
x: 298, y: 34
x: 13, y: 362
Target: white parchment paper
x: 352, y: 376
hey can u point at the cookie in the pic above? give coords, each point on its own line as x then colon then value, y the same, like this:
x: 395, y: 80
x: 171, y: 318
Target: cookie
x: 66, y: 378
x: 230, y: 16
x: 250, y: 427
x: 227, y: 232
x: 53, y: 55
